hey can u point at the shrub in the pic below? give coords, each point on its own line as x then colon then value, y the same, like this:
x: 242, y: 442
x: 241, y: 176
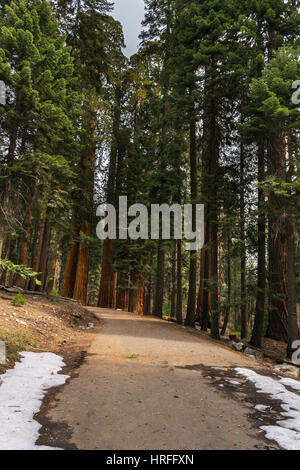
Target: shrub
x: 18, y: 300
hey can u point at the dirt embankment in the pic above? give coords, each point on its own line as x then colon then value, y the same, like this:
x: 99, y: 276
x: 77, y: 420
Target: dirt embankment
x: 44, y: 323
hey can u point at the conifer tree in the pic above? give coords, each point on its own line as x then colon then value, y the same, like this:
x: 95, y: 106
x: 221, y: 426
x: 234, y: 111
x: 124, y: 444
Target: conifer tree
x: 39, y: 118
x: 96, y: 43
x: 275, y: 116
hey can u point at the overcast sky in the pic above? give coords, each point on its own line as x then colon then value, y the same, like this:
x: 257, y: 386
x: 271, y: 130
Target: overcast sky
x: 130, y: 13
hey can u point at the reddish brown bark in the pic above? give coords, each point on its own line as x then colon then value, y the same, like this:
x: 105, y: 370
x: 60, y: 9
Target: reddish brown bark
x: 114, y: 300
x: 36, y: 263
x: 67, y: 288
x: 24, y: 246
x: 80, y: 288
x: 122, y: 292
x: 44, y: 252
x: 140, y: 294
x: 87, y: 174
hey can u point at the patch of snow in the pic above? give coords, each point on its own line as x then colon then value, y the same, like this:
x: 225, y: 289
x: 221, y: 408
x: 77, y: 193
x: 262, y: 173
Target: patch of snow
x: 21, y: 394
x: 233, y: 382
x: 21, y: 322
x: 286, y: 438
x: 295, y: 384
x: 261, y: 407
x: 287, y: 433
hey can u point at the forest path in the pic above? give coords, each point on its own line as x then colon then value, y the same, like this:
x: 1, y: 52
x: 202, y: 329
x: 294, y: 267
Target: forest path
x: 135, y: 392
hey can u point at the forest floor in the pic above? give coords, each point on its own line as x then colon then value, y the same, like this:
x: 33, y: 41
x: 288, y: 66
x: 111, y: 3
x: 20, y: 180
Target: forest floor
x: 45, y: 324
x: 148, y: 384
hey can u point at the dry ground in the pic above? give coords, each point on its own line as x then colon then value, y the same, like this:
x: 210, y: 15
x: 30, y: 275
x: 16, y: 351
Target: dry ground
x: 44, y: 324
x: 146, y: 384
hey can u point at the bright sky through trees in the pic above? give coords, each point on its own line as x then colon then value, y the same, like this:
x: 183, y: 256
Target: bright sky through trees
x: 130, y: 13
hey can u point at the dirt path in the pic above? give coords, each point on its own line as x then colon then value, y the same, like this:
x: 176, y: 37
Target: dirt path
x: 139, y: 389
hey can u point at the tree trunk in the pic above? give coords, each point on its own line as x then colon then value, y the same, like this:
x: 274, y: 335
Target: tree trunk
x: 122, y: 291
x: 6, y: 256
x: 244, y: 314
x: 179, y: 284
x: 1, y: 237
x: 24, y: 246
x: 87, y: 165
x: 191, y: 306
x: 205, y: 317
x: 140, y: 295
x: 33, y: 245
x: 293, y: 331
x: 201, y: 286
x: 36, y: 263
x: 277, y: 328
x: 173, y: 290
x: 107, y: 276
x: 107, y: 271
x: 215, y: 278
x: 55, y: 271
x: 257, y: 332
x: 5, y: 203
x: 132, y: 305
x: 210, y: 162
x: 67, y: 288
x: 229, y: 285
x: 81, y: 282
x: 213, y: 162
x: 160, y: 275
x: 148, y: 294
x: 44, y: 253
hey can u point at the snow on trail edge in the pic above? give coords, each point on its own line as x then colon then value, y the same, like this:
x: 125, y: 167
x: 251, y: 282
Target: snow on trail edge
x: 287, y: 432
x: 22, y: 390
